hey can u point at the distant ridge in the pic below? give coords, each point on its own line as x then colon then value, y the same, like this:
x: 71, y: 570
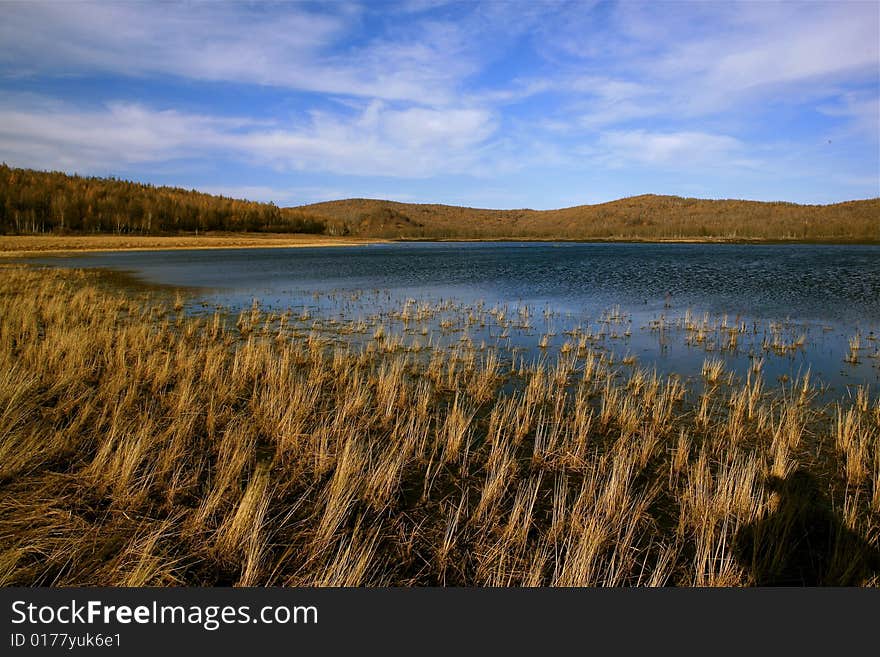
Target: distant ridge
x: 45, y: 202
x: 648, y: 217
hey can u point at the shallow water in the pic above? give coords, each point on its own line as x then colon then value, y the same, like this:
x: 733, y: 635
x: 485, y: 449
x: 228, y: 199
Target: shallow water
x: 820, y: 296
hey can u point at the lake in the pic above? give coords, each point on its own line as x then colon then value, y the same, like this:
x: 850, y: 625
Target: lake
x: 665, y: 306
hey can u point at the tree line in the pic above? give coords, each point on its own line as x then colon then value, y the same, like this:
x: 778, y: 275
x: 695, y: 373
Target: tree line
x: 54, y: 202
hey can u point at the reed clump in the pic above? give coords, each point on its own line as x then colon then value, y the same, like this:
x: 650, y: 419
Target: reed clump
x: 141, y: 445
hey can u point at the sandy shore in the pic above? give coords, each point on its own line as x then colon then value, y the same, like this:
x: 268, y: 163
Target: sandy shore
x: 29, y: 245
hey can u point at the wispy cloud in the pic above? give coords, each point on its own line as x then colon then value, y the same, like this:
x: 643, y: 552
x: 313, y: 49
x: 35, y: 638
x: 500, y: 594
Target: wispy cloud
x: 414, y: 142
x: 861, y: 111
x: 55, y: 135
x: 676, y: 150
x: 704, y: 58
x: 409, y: 143
x: 437, y: 94
x: 290, y: 47
x: 281, y: 196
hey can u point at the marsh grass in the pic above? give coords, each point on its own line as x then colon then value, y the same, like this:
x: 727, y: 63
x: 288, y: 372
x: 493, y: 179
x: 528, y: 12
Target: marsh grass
x: 140, y: 445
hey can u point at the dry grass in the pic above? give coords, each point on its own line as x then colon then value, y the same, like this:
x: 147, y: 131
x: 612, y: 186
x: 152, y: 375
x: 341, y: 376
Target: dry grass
x: 23, y: 245
x: 143, y: 446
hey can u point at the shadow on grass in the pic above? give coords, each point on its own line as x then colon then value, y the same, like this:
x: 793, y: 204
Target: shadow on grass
x: 803, y: 542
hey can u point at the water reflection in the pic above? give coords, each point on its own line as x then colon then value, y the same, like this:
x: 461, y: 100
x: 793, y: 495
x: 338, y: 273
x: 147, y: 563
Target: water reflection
x: 786, y: 310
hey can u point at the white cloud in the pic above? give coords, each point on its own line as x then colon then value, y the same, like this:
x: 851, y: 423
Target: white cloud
x: 639, y: 60
x: 52, y: 135
x: 378, y: 141
x: 425, y: 89
x: 674, y: 150
x: 790, y: 52
x: 281, y: 196
x: 293, y: 48
x: 411, y: 143
x: 454, y: 128
x: 691, y: 60
x: 862, y: 112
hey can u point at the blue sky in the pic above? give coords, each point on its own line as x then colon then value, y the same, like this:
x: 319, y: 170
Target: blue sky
x: 501, y: 104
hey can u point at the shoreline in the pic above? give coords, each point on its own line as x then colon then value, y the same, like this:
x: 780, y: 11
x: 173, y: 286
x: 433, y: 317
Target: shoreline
x: 637, y: 240
x: 24, y: 246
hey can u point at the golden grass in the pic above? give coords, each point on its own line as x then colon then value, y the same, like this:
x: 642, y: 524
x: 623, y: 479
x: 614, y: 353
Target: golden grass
x: 143, y: 446
x: 28, y: 245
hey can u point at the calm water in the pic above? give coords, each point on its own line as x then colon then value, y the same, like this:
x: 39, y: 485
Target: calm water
x: 822, y: 294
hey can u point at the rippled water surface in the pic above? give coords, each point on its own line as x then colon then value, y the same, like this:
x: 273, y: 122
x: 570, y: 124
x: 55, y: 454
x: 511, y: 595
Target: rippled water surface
x: 813, y: 298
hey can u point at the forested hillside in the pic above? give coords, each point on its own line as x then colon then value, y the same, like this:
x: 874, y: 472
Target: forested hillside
x: 40, y: 202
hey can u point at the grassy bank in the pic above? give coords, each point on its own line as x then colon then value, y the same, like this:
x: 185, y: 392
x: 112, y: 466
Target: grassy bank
x: 18, y: 246
x: 142, y: 446
x: 26, y: 245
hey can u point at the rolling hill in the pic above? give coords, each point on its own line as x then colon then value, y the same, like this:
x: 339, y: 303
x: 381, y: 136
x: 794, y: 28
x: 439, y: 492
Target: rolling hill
x: 648, y: 217
x: 38, y: 202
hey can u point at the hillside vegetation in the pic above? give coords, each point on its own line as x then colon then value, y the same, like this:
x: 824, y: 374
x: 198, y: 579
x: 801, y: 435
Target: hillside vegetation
x: 648, y: 217
x: 34, y: 202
